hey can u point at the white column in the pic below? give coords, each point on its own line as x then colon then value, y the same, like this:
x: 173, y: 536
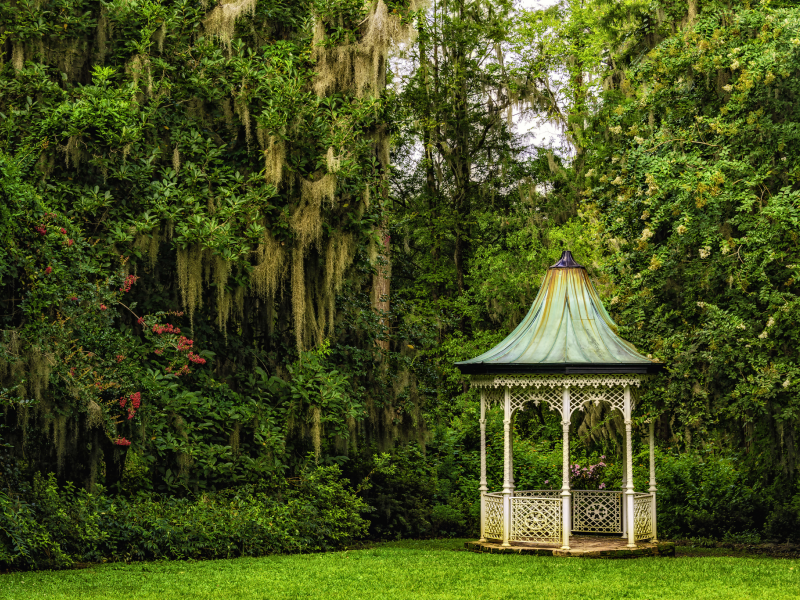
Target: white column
x: 566, y: 497
x: 483, y: 488
x: 629, y: 469
x: 511, y: 458
x: 508, y: 485
x: 624, y: 481
x: 652, y: 489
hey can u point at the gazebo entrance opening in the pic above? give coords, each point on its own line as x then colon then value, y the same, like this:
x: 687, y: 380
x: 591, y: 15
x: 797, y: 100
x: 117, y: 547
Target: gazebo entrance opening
x: 564, y: 354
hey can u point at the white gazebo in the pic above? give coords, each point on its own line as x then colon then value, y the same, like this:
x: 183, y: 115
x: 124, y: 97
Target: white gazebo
x: 564, y: 354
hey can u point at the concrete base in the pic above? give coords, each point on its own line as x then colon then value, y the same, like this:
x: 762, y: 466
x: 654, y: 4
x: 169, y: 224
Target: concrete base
x: 580, y: 545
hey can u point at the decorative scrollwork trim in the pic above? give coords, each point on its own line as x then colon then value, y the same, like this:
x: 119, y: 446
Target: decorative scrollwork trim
x: 552, y: 381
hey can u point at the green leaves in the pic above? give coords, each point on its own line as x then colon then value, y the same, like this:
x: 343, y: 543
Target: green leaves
x: 695, y: 185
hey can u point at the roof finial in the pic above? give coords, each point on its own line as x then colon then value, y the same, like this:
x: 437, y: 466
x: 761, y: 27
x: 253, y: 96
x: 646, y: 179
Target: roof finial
x: 566, y: 262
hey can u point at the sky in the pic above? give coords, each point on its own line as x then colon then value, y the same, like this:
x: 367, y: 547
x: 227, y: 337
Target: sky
x: 541, y: 134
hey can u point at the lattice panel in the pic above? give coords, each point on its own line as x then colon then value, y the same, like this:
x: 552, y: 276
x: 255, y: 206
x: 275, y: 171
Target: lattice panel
x: 643, y: 517
x: 536, y: 520
x: 614, y: 396
x: 537, y: 494
x: 552, y: 397
x: 596, y: 512
x: 493, y: 518
x: 556, y: 381
x: 493, y: 396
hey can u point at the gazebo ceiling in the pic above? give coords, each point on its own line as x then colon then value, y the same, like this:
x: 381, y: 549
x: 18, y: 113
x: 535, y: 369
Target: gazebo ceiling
x: 567, y: 330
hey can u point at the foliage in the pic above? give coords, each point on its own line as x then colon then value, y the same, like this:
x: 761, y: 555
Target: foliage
x: 197, y: 441
x: 53, y: 527
x: 694, y: 180
x: 64, y: 362
x: 703, y: 495
x: 215, y: 274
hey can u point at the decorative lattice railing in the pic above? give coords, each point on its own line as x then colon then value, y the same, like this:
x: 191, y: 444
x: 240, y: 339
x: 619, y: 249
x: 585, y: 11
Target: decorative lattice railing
x: 596, y: 511
x: 536, y: 515
x: 535, y: 519
x: 538, y: 494
x: 643, y: 516
x: 493, y: 517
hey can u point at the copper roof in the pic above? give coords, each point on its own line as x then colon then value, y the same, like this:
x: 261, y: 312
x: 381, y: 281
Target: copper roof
x: 567, y: 330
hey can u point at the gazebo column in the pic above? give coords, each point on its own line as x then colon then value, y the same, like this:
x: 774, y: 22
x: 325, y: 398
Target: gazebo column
x: 652, y: 489
x: 566, y: 497
x: 483, y: 488
x: 508, y: 484
x: 624, y: 502
x: 629, y: 510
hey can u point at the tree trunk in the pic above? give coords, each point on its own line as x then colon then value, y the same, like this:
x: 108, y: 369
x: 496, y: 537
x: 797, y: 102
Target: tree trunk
x: 381, y: 285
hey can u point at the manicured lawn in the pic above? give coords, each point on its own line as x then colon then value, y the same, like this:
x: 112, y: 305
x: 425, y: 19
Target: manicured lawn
x: 422, y: 570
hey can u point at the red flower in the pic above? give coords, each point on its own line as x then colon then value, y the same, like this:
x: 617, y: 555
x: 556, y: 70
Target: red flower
x: 121, y: 441
x: 136, y: 399
x: 196, y: 358
x: 41, y: 230
x: 129, y: 281
x: 48, y: 270
x: 64, y: 231
x: 70, y: 242
x: 123, y: 401
x: 74, y: 298
x: 103, y: 307
x: 120, y: 358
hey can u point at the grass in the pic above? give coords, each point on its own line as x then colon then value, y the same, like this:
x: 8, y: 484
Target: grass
x: 419, y: 570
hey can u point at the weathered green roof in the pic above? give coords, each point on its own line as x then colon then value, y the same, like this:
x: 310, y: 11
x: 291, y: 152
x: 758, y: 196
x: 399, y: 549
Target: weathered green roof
x: 567, y: 330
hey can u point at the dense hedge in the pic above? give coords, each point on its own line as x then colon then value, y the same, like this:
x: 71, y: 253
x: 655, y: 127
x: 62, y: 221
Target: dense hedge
x: 48, y: 526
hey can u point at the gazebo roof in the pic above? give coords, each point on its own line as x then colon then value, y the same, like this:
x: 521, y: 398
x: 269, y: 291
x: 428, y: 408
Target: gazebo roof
x: 567, y: 330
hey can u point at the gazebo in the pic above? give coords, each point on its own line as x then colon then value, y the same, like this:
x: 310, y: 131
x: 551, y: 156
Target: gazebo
x: 564, y: 354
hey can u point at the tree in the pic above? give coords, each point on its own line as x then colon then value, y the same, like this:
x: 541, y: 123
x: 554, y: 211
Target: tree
x: 694, y: 178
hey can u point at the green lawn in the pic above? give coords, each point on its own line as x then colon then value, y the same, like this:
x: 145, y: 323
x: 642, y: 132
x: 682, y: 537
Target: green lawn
x: 418, y: 570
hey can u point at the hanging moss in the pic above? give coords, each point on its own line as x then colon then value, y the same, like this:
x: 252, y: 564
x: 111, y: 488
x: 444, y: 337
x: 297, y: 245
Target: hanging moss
x: 270, y: 267
x: 190, y: 276
x: 221, y: 22
x: 274, y: 150
x: 298, y: 296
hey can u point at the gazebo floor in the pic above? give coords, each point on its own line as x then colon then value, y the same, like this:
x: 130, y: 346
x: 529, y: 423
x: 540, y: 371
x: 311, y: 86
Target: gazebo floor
x: 586, y: 546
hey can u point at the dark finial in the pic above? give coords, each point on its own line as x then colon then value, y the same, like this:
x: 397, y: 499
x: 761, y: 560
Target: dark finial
x: 566, y: 262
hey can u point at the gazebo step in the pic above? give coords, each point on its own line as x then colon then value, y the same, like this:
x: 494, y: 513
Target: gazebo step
x: 580, y: 546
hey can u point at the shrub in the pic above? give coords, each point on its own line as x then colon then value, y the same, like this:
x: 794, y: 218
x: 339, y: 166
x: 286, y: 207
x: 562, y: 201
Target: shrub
x: 55, y: 526
x: 704, y: 496
x: 783, y: 522
x: 402, y: 496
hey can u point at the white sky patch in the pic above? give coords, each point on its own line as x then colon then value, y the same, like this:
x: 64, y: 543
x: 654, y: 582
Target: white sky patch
x: 538, y: 131
x: 541, y: 133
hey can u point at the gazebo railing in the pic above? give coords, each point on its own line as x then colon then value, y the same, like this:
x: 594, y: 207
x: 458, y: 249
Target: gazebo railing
x: 536, y: 519
x: 536, y: 515
x: 537, y: 494
x: 493, y: 516
x: 643, y: 509
x: 596, y: 511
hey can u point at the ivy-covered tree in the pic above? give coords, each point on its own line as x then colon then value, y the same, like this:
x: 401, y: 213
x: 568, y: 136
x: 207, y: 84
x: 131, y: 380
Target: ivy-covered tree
x: 231, y: 156
x: 694, y: 175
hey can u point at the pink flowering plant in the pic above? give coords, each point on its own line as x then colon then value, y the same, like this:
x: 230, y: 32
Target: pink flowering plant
x: 73, y: 345
x: 589, y: 476
x: 176, y: 351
